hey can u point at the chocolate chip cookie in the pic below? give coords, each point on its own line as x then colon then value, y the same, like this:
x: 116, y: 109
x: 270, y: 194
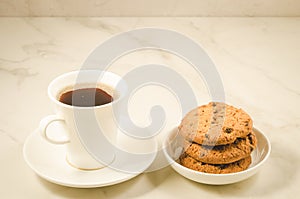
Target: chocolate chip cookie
x: 222, y: 154
x: 194, y: 164
x: 215, y: 124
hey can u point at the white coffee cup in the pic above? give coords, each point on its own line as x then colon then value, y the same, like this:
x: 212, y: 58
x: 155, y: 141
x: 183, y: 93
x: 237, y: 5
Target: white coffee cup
x: 74, y: 120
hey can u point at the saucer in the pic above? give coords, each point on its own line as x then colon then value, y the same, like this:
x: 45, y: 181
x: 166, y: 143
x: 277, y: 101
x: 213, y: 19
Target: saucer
x: 258, y: 155
x: 49, y: 162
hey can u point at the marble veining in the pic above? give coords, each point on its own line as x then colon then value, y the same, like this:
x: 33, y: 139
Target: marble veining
x: 98, y: 25
x: 11, y: 137
x: 152, y: 8
x: 20, y: 73
x: 257, y: 59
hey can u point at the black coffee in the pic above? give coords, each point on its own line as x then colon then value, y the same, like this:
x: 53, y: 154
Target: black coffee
x: 86, y: 97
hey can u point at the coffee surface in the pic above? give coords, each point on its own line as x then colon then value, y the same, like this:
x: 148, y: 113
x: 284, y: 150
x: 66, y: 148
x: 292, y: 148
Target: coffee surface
x: 86, y: 97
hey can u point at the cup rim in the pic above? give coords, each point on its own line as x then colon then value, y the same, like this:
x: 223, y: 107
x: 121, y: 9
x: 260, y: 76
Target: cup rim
x: 57, y: 102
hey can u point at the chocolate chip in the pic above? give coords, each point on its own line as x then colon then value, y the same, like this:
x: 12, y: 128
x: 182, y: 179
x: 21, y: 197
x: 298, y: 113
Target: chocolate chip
x: 250, y: 139
x: 206, y: 136
x: 237, y: 140
x: 228, y: 130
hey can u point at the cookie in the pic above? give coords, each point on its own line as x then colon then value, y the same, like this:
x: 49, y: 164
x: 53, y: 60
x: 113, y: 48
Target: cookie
x: 215, y: 124
x: 237, y: 166
x: 222, y: 154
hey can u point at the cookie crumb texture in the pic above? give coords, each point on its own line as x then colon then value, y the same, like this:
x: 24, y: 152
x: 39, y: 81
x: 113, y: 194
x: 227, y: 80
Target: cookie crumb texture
x: 237, y: 166
x: 222, y: 154
x: 218, y: 138
x: 215, y: 124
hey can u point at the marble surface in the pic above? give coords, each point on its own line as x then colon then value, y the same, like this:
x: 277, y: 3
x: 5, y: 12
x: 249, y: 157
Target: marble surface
x: 153, y: 8
x: 257, y: 58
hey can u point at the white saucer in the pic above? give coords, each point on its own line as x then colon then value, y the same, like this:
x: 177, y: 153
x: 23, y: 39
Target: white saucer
x: 49, y: 162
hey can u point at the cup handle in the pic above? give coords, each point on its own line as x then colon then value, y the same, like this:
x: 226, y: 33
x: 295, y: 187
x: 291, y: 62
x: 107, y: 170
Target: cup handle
x: 45, y: 122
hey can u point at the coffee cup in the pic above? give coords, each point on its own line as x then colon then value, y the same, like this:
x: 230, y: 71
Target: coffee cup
x: 79, y: 94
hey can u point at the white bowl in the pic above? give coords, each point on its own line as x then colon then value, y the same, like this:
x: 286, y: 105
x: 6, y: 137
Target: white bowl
x: 259, y: 157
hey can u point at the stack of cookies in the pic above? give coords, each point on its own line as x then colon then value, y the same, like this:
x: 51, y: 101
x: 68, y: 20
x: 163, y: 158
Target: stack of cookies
x: 218, y: 138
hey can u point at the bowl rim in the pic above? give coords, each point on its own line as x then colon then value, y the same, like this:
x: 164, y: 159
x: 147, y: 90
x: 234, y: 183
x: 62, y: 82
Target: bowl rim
x: 248, y: 170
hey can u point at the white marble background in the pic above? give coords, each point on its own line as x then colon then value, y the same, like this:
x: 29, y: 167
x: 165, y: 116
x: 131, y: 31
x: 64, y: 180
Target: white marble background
x: 149, y: 8
x: 257, y: 58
